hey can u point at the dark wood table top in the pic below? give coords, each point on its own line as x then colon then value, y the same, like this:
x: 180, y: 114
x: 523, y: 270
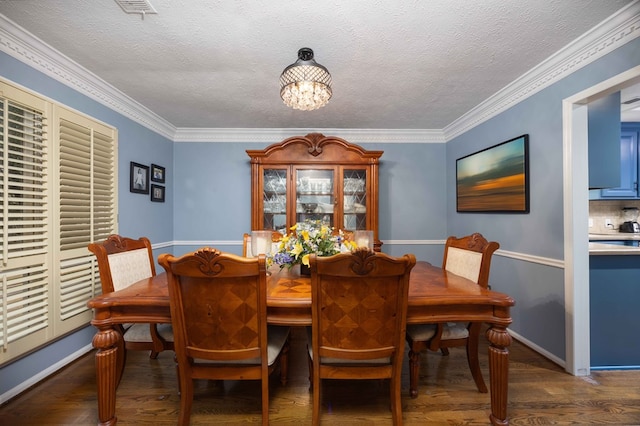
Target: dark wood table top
x: 431, y: 289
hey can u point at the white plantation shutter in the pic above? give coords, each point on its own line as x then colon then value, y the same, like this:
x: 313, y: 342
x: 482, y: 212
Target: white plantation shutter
x: 104, y: 186
x: 25, y: 311
x: 75, y: 185
x: 87, y: 208
x: 24, y: 235
x: 23, y: 172
x: 58, y: 193
x: 76, y: 286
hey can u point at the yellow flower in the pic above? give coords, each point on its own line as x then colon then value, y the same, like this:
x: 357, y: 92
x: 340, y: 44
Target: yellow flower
x: 305, y: 235
x: 351, y: 245
x: 305, y: 260
x: 293, y: 228
x: 297, y: 249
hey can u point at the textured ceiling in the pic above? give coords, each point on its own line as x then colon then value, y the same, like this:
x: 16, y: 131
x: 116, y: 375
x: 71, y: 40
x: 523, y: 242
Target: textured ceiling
x: 395, y: 65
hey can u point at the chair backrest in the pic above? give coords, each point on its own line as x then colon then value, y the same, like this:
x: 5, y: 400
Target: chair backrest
x: 359, y: 305
x: 246, y: 243
x: 218, y: 306
x: 122, y: 261
x: 470, y: 257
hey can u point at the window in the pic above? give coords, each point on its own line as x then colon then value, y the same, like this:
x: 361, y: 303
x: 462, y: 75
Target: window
x: 57, y: 194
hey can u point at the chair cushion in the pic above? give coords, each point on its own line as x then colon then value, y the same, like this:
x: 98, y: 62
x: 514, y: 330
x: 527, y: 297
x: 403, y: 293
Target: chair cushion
x: 141, y: 333
x: 276, y: 336
x: 450, y: 331
x: 128, y: 267
x: 329, y: 360
x: 421, y: 332
x: 465, y: 263
x: 455, y: 330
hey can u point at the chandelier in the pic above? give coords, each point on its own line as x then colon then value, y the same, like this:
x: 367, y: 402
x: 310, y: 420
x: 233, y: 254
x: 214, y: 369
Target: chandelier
x: 305, y: 84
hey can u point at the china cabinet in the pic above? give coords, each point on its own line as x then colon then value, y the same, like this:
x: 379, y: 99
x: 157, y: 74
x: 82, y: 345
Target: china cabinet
x: 315, y: 177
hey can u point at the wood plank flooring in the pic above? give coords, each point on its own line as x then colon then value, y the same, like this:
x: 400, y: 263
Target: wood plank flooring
x: 540, y: 393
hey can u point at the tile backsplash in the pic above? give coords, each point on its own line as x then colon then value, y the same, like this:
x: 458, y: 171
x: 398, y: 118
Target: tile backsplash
x: 600, y: 210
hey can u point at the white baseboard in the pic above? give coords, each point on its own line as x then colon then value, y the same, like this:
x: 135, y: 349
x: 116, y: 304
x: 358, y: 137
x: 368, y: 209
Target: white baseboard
x: 541, y: 351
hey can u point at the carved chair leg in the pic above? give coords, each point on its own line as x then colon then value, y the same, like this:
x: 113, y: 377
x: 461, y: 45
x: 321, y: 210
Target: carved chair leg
x: 121, y: 359
x: 175, y: 360
x: 310, y: 363
x: 157, y: 340
x: 284, y: 362
x: 472, y: 356
x: 414, y: 370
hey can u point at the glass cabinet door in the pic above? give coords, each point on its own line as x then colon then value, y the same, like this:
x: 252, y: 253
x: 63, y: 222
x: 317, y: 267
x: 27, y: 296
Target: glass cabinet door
x: 274, y: 200
x: 314, y: 197
x: 354, y: 203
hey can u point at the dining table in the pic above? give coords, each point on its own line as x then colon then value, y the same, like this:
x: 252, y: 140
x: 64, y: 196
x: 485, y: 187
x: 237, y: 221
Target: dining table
x: 435, y: 296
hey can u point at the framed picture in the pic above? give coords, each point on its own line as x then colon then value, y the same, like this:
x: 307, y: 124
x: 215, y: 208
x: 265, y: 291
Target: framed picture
x: 157, y: 193
x: 157, y: 173
x: 496, y: 179
x: 139, y: 180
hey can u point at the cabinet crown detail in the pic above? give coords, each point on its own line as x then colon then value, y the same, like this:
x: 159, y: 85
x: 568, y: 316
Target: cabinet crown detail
x: 314, y: 147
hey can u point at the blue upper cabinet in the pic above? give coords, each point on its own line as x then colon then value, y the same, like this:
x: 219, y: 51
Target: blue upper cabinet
x: 604, y: 142
x: 628, y: 188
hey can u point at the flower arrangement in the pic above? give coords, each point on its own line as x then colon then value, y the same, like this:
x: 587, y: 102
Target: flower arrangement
x: 310, y: 236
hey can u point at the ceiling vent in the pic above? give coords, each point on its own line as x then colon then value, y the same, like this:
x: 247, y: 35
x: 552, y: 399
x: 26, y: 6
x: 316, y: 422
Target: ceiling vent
x: 141, y: 7
x: 631, y: 101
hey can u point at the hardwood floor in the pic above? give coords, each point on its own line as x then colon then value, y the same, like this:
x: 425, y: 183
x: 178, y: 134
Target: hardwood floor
x: 540, y: 393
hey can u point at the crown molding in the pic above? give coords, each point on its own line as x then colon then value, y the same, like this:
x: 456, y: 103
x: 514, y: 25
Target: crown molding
x: 25, y: 47
x: 619, y: 29
x: 358, y: 136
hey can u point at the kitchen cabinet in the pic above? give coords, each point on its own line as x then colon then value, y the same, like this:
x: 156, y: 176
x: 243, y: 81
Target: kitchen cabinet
x: 629, y: 160
x: 614, y: 291
x: 315, y: 177
x: 603, y: 141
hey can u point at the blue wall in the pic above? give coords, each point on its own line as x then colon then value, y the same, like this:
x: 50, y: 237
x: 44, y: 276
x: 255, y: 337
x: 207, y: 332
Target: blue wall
x: 537, y: 288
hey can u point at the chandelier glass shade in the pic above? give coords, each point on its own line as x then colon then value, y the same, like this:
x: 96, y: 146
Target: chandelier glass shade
x: 305, y: 84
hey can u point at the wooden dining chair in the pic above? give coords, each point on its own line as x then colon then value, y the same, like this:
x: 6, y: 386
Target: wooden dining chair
x: 469, y: 257
x: 246, y: 243
x: 358, y: 317
x: 219, y: 313
x: 121, y: 262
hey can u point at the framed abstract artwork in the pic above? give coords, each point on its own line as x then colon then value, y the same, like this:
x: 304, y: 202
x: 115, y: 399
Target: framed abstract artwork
x: 495, y: 180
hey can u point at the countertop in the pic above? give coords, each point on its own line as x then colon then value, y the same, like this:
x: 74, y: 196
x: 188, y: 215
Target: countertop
x: 612, y: 249
x: 614, y: 236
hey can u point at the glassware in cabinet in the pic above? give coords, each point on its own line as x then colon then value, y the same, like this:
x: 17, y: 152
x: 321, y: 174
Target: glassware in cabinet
x: 274, y: 199
x: 315, y: 198
x: 354, y: 204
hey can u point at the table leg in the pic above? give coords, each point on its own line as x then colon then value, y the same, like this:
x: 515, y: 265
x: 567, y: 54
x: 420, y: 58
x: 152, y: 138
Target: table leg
x: 499, y: 340
x: 107, y: 341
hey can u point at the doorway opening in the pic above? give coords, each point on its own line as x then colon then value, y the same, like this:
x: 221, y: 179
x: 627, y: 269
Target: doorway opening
x: 576, y: 217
